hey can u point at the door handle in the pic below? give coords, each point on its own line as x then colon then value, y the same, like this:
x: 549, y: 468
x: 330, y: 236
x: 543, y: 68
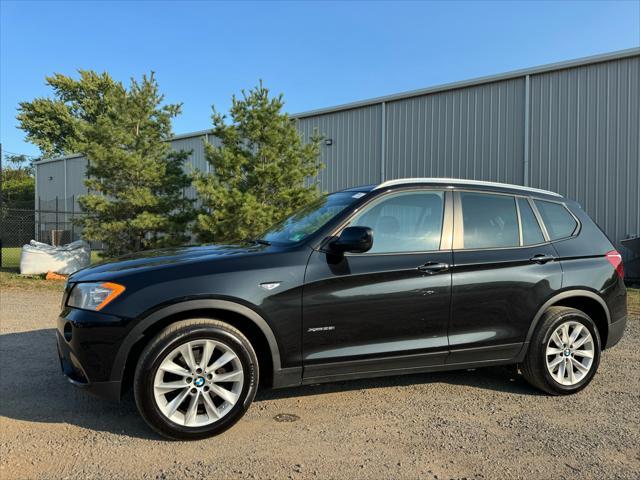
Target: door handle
x: 542, y: 258
x: 433, y: 267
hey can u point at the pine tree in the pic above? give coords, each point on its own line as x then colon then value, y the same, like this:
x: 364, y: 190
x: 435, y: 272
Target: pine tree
x: 258, y: 172
x: 135, y: 181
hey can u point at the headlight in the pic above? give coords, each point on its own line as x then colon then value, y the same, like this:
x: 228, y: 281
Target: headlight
x: 93, y: 296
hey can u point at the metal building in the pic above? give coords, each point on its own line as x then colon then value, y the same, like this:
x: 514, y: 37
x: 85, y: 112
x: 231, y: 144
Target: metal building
x: 571, y: 127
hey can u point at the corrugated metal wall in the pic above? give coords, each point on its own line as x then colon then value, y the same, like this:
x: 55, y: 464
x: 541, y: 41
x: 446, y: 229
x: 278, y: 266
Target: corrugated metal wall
x: 585, y: 141
x: 354, y: 157
x: 50, y: 182
x: 196, y: 160
x: 75, y: 182
x: 473, y: 133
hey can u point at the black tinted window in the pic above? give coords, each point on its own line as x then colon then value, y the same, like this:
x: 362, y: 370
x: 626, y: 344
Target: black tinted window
x: 559, y: 222
x: 489, y: 220
x: 531, y: 232
x: 406, y: 222
x: 309, y: 219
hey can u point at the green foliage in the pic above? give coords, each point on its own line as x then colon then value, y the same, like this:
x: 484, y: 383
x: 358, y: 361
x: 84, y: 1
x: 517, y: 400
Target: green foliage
x: 258, y: 171
x: 18, y: 182
x: 135, y: 181
x: 58, y: 125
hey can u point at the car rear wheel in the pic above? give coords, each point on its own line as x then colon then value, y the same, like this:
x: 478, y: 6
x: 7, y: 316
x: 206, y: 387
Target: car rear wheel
x: 564, y: 352
x: 195, y: 379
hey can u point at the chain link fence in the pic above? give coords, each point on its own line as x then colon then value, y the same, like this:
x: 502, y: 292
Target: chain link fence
x: 50, y: 223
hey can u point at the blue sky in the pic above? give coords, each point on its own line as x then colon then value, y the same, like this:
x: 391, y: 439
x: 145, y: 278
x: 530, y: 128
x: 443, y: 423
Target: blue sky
x: 317, y: 53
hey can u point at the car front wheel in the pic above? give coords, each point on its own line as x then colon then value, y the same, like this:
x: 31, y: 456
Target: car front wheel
x: 564, y: 352
x: 195, y: 379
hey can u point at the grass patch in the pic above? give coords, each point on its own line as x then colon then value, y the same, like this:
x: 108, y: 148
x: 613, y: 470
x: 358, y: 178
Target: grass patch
x: 11, y: 259
x: 15, y: 281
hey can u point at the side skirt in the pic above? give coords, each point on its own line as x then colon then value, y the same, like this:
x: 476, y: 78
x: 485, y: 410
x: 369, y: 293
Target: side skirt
x: 377, y: 366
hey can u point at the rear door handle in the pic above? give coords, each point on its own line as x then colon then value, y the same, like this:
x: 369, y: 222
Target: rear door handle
x: 542, y: 258
x: 433, y: 267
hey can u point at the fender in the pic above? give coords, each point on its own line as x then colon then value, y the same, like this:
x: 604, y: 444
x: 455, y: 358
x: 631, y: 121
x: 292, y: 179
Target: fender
x: 137, y: 333
x: 555, y: 299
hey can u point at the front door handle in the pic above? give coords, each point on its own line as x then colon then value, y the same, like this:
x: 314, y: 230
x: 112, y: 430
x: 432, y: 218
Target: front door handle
x: 433, y: 267
x: 542, y: 258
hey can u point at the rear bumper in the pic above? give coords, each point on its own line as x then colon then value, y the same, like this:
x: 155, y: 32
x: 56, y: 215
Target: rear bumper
x: 616, y: 330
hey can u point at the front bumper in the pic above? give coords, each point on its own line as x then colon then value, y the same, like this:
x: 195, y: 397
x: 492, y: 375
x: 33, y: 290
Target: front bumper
x: 88, y: 343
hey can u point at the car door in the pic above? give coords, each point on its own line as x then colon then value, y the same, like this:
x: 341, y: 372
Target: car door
x: 387, y: 308
x: 504, y: 269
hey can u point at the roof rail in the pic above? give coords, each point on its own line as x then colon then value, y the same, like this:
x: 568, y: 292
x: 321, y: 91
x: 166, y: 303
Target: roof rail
x: 460, y: 181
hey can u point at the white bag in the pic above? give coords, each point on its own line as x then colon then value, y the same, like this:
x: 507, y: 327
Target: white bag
x: 38, y: 257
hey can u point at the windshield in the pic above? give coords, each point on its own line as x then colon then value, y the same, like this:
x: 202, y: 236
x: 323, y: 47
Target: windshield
x: 311, y: 218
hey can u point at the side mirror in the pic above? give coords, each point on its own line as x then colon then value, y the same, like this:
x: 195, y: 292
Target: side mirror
x: 354, y: 240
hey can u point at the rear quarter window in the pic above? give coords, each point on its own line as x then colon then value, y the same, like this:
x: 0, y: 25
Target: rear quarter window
x: 531, y: 232
x: 557, y: 219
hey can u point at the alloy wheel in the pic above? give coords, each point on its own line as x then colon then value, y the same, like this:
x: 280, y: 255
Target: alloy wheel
x: 570, y: 352
x: 198, y: 382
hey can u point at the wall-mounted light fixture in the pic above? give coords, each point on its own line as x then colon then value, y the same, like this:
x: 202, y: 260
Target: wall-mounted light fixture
x: 328, y: 141
x: 50, y: 178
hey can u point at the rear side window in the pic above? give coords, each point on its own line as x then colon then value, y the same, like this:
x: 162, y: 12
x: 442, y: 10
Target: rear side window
x: 489, y: 220
x: 531, y: 232
x: 559, y: 222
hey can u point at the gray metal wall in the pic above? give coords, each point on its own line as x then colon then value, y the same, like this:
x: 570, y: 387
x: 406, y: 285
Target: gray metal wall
x: 574, y: 129
x: 473, y: 132
x: 355, y: 155
x: 196, y: 160
x: 585, y: 142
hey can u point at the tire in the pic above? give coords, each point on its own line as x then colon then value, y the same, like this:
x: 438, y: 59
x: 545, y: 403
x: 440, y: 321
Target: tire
x: 541, y: 366
x: 214, y: 397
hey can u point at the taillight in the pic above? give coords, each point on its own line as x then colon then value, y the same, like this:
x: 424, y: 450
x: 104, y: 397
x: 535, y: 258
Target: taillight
x: 615, y: 259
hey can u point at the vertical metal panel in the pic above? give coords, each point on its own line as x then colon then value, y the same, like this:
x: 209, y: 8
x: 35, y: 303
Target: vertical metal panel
x: 76, y: 175
x: 473, y: 133
x: 196, y: 159
x: 585, y: 135
x: 50, y: 181
x: 354, y: 157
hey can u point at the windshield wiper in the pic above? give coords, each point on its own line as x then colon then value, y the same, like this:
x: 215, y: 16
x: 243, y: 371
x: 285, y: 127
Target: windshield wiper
x: 261, y: 241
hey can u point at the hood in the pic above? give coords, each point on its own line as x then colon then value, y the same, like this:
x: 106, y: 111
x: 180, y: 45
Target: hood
x: 164, y: 258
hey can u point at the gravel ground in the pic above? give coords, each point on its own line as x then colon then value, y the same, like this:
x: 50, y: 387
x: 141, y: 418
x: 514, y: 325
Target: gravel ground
x: 483, y: 424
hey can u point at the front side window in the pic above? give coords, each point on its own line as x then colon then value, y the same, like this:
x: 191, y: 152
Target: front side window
x: 404, y: 222
x: 557, y: 219
x: 489, y: 221
x: 311, y: 218
x: 531, y: 232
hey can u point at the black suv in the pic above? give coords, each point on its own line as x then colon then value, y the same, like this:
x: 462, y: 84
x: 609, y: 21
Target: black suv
x: 407, y: 276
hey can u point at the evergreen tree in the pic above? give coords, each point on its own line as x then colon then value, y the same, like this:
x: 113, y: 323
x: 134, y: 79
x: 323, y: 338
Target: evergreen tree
x: 258, y: 172
x: 135, y: 181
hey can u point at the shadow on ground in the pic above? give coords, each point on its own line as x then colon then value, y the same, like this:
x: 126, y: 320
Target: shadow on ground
x: 32, y: 388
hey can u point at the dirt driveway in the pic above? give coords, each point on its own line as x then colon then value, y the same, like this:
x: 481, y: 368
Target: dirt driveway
x: 482, y: 424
